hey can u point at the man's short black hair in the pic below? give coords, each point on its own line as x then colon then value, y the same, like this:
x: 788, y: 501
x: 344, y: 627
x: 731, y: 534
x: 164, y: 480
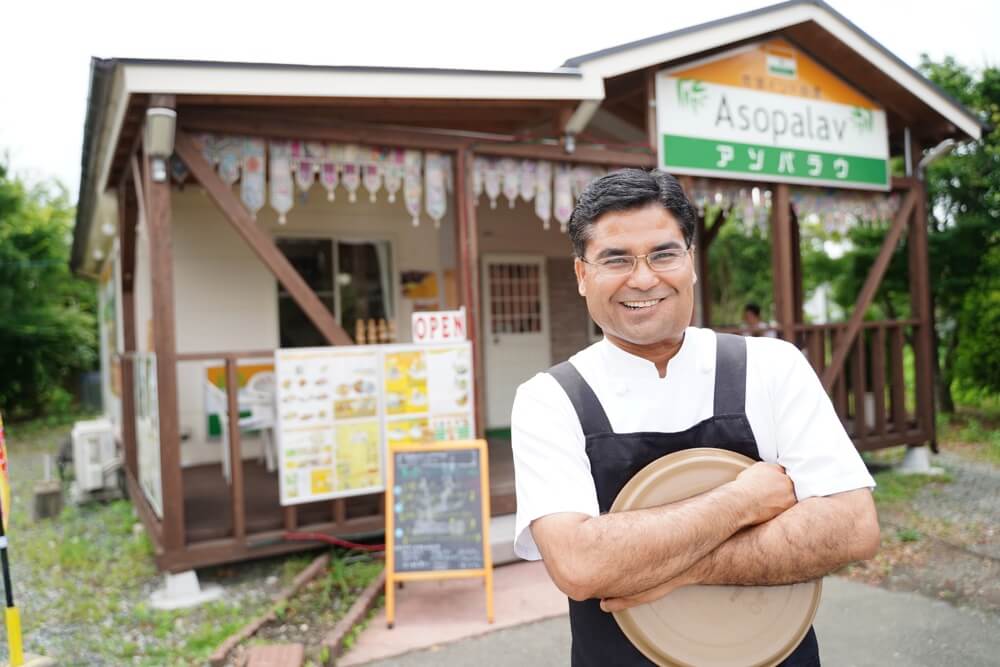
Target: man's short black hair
x: 752, y: 308
x: 627, y: 190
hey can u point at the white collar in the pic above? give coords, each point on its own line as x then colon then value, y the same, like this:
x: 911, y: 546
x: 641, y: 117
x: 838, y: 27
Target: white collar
x: 622, y: 365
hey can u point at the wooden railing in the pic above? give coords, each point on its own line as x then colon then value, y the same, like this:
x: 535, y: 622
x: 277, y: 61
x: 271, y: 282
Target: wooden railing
x: 351, y: 516
x: 876, y: 404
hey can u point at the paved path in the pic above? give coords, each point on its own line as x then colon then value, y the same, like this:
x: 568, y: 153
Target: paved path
x: 858, y: 626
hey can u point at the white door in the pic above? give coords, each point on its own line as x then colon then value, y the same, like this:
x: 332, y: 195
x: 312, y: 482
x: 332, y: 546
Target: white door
x: 515, y: 328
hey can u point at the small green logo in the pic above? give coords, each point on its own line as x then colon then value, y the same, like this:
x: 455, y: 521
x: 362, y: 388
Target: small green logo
x: 863, y: 119
x: 691, y: 93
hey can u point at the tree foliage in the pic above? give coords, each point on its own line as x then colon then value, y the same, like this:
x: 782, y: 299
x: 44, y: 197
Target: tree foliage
x: 47, y: 315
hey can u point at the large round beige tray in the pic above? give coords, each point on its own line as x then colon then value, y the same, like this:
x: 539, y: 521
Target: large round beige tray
x: 711, y: 626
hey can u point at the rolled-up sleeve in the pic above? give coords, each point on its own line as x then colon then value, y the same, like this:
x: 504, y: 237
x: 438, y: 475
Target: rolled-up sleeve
x: 551, y: 469
x: 810, y: 439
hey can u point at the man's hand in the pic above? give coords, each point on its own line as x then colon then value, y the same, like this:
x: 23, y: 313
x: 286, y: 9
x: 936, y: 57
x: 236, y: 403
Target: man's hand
x: 770, y: 490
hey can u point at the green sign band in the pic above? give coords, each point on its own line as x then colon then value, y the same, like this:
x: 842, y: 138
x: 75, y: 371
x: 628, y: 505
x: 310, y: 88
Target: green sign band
x: 729, y: 158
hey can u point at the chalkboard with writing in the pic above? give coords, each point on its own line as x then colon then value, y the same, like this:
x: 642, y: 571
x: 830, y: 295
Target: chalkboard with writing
x: 437, y: 510
x: 437, y: 516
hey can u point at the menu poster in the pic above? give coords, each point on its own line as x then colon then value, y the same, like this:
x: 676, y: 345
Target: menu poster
x: 340, y: 408
x: 329, y: 427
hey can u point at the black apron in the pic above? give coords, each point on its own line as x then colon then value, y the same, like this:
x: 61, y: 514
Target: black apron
x: 616, y: 457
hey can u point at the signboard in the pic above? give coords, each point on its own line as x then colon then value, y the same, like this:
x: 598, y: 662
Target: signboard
x: 147, y: 429
x: 437, y: 518
x: 441, y: 326
x: 338, y: 408
x: 768, y: 112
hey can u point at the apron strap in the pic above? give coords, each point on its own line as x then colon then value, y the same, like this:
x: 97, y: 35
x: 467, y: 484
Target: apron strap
x: 730, y: 374
x: 588, y: 409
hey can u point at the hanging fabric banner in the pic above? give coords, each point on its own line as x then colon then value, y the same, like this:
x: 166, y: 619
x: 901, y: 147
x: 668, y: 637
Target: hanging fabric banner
x: 371, y: 176
x: 543, y: 193
x: 329, y: 173
x: 252, y: 183
x: 393, y: 173
x: 280, y: 177
x: 511, y: 180
x: 529, y: 169
x: 492, y: 178
x: 412, y: 186
x: 435, y: 195
x: 304, y: 168
x: 350, y: 172
x: 563, y: 195
x: 478, y: 167
x: 229, y: 155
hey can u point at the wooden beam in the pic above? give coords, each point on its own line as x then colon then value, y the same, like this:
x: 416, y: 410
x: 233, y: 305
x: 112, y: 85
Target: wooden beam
x: 781, y: 261
x: 468, y: 269
x: 872, y: 282
x: 158, y: 212
x: 259, y: 241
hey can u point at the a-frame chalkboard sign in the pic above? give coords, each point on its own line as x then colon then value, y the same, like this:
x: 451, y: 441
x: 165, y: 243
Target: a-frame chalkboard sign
x: 437, y: 516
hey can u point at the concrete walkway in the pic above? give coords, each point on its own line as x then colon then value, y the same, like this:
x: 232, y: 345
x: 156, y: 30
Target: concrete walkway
x: 857, y: 625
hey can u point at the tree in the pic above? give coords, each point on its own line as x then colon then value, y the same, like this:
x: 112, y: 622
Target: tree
x: 47, y: 315
x: 964, y: 205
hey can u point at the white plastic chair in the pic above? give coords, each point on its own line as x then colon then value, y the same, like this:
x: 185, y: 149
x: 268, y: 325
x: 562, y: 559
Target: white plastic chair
x: 257, y: 397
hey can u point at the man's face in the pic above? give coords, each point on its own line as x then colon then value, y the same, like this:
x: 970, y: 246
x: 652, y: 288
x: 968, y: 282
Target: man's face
x: 645, y: 307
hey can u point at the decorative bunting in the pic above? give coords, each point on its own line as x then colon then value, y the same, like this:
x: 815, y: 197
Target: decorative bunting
x: 252, y: 183
x: 371, y: 175
x: 491, y: 180
x: 563, y: 195
x: 529, y: 170
x: 478, y: 168
x: 229, y: 156
x: 511, y: 172
x: 329, y: 174
x: 543, y: 193
x: 280, y: 176
x: 393, y: 173
x: 435, y: 195
x: 412, y: 187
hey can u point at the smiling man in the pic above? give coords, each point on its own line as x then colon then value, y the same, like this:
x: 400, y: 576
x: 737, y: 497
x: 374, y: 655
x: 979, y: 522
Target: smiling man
x: 655, y: 386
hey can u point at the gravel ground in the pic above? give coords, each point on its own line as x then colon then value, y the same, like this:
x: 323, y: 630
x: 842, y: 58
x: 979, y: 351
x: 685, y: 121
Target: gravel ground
x: 945, y: 543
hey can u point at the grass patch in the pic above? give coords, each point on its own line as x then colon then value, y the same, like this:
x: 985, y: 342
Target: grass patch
x: 896, y: 488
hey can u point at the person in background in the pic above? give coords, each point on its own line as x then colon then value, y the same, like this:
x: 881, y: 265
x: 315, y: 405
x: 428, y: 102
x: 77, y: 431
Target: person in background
x: 752, y: 324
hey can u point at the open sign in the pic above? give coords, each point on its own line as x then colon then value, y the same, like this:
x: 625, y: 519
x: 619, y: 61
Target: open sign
x: 440, y: 326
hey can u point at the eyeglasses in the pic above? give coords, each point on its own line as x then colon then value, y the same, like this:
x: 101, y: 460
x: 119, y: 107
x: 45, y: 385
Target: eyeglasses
x: 661, y: 261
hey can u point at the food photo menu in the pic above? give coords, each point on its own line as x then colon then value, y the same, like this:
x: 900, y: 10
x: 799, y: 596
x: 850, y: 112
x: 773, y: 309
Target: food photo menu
x: 339, y: 407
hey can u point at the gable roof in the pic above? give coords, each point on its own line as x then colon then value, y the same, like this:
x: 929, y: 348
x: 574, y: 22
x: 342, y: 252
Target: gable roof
x: 842, y: 37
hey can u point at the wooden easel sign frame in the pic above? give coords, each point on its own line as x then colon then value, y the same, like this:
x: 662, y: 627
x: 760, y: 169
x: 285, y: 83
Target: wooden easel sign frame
x: 430, y: 513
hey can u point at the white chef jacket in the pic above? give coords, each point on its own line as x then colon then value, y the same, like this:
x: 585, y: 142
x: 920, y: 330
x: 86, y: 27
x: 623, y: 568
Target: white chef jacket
x: 791, y: 416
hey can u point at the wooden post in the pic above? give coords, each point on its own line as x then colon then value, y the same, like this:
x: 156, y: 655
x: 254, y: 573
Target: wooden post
x: 164, y: 344
x: 797, y: 286
x: 468, y: 271
x: 704, y: 284
x: 235, y: 452
x: 259, y: 241
x: 781, y: 261
x: 128, y: 217
x: 920, y: 304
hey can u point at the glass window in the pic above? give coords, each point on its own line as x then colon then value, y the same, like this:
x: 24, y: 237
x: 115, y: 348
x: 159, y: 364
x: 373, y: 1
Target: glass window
x: 362, y: 289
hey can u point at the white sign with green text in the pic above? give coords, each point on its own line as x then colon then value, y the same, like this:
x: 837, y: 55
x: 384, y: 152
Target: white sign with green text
x: 732, y: 132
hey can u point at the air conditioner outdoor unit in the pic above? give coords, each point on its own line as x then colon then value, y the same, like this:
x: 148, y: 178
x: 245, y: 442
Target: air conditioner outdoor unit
x: 94, y: 454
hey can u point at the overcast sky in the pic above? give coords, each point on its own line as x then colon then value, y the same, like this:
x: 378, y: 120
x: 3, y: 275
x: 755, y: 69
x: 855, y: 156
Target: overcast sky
x: 46, y: 46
